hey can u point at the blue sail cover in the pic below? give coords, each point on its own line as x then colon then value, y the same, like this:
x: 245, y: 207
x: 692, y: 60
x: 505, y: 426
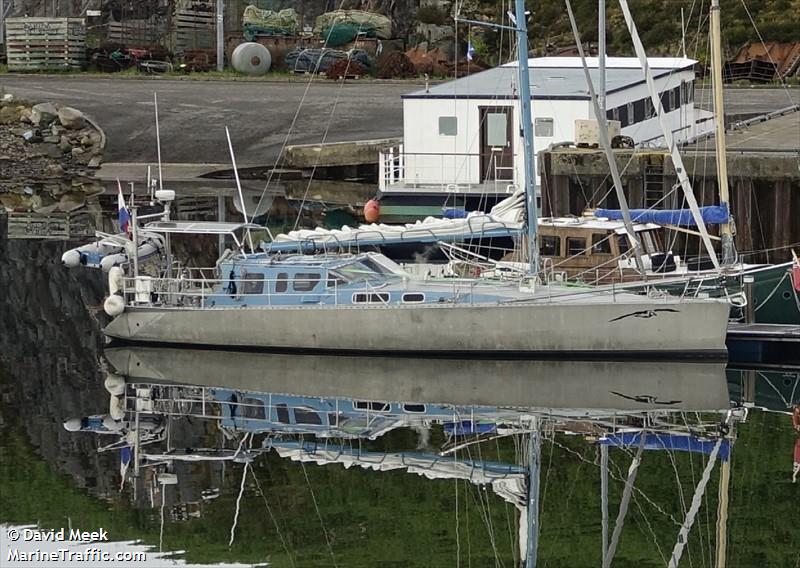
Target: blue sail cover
x: 712, y: 215
x: 655, y: 441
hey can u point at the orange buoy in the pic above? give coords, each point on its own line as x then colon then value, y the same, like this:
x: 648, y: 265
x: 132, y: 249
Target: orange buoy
x: 372, y: 211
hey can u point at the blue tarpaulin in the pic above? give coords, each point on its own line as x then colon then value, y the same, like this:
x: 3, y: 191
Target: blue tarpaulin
x: 655, y: 441
x: 712, y: 215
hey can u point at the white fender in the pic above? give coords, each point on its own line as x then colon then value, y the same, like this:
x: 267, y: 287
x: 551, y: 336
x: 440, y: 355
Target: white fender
x: 116, y: 408
x: 115, y: 283
x: 113, y: 261
x: 71, y: 258
x: 114, y: 306
x: 73, y: 425
x: 112, y: 425
x: 114, y: 384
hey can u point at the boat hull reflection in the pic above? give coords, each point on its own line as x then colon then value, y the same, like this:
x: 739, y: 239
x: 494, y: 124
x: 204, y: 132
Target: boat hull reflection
x: 619, y: 386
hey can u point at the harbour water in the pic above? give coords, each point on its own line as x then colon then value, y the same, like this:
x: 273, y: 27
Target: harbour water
x: 365, y: 461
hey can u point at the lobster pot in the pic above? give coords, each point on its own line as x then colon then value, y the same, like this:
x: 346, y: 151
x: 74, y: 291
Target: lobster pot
x: 143, y: 287
x: 36, y: 44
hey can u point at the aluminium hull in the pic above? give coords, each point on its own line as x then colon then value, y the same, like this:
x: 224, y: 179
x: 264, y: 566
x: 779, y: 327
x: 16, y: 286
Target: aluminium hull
x: 646, y: 328
x: 543, y: 384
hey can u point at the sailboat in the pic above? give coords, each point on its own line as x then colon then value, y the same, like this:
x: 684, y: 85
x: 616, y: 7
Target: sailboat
x: 364, y: 303
x: 770, y: 287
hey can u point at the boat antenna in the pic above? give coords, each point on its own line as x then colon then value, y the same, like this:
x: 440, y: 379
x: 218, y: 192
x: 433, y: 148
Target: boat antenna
x: 602, y: 132
x: 158, y: 143
x: 239, y: 188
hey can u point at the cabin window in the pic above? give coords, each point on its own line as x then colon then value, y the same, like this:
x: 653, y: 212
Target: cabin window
x: 638, y: 111
x: 306, y: 416
x: 252, y: 408
x: 413, y: 298
x: 601, y: 244
x: 689, y: 92
x: 629, y: 112
x: 253, y: 283
x: 414, y: 407
x: 371, y: 405
x: 496, y: 128
x: 335, y: 280
x: 448, y: 126
x: 305, y: 281
x: 576, y: 246
x: 543, y: 127
x: 675, y: 97
x: 649, y: 110
x: 622, y: 242
x: 281, y: 283
x: 363, y: 298
x: 283, y: 413
x: 550, y: 245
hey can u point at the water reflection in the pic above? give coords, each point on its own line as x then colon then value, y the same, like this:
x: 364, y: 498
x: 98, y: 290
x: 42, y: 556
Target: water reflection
x: 324, y: 410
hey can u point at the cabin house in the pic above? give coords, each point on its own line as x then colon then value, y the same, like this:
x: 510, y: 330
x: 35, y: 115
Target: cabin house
x: 462, y: 139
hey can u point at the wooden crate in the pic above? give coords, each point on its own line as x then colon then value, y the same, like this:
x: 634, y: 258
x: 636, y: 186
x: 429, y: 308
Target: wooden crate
x: 137, y: 33
x: 55, y: 226
x: 194, y: 26
x: 40, y: 44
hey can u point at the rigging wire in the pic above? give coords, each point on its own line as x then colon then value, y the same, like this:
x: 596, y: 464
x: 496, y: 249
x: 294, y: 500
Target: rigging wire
x: 319, y: 515
x: 273, y: 519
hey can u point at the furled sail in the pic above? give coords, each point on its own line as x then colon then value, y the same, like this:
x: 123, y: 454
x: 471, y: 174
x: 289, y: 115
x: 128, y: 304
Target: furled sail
x: 712, y: 215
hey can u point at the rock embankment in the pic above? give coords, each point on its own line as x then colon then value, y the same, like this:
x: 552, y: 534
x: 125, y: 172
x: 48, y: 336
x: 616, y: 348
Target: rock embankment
x: 47, y: 156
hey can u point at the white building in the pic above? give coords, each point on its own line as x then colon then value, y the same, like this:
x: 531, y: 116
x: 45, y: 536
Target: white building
x: 462, y: 139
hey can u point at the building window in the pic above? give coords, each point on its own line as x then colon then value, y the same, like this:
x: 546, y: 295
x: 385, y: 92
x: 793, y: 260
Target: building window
x: 638, y: 111
x: 305, y: 281
x: 543, y: 127
x: 601, y: 244
x: 649, y: 111
x: 622, y: 115
x: 550, y: 245
x: 448, y: 126
x: 576, y: 246
x: 282, y: 283
x: 496, y: 128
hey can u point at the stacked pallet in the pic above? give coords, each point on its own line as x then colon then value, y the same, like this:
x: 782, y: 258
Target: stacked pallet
x: 41, y: 44
x: 137, y: 33
x: 194, y: 26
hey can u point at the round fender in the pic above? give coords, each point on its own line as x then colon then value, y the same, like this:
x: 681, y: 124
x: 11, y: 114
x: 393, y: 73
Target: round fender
x: 71, y: 258
x: 73, y: 425
x: 251, y: 58
x: 114, y: 384
x: 114, y: 306
x: 116, y: 408
x: 115, y: 280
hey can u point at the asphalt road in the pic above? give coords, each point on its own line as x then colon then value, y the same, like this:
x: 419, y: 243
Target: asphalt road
x: 193, y: 113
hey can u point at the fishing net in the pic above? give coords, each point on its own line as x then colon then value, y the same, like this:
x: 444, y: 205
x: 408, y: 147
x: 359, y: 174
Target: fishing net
x: 257, y: 22
x: 340, y: 34
x: 373, y: 25
x: 319, y: 60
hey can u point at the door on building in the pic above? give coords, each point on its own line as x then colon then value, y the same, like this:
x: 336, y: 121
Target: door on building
x: 496, y: 144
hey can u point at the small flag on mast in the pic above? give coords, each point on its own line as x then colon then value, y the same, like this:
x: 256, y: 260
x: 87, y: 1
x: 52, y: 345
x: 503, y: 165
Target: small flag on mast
x: 470, y: 51
x: 123, y: 216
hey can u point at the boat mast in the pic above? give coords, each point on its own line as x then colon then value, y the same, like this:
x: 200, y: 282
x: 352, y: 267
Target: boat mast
x: 527, y: 133
x: 726, y: 232
x: 601, y: 55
